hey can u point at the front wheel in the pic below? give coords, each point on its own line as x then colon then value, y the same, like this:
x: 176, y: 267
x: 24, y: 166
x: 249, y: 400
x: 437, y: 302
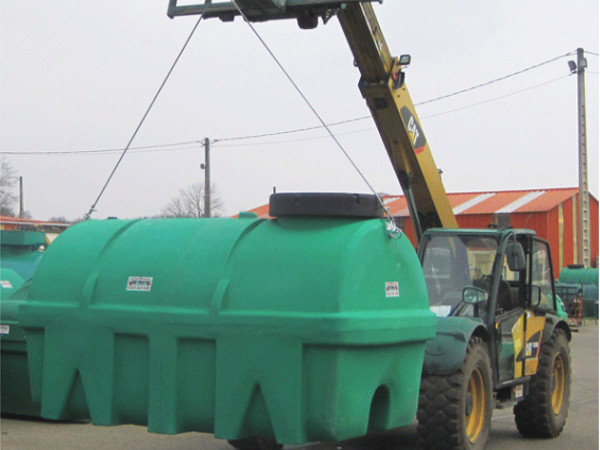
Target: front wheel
x: 455, y: 411
x: 543, y: 413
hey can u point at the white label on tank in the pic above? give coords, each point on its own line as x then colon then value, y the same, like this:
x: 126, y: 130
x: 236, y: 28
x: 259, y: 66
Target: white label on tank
x: 4, y: 329
x: 139, y: 284
x: 6, y: 284
x: 392, y: 289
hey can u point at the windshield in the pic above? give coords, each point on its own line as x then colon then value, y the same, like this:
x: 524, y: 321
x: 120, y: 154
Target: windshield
x: 452, y: 263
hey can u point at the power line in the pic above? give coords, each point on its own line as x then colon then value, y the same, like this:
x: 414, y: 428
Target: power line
x: 224, y: 142
x: 462, y: 91
x: 312, y: 138
x: 140, y: 149
x: 499, y: 97
x: 423, y: 117
x: 180, y: 145
x: 369, y: 117
x: 487, y: 83
x: 297, y: 130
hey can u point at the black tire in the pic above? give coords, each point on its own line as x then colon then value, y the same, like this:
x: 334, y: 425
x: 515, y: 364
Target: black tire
x: 543, y: 412
x: 455, y: 411
x: 255, y: 443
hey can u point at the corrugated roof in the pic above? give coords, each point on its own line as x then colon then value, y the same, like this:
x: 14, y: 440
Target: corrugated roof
x: 490, y: 202
x: 471, y: 203
x: 494, y: 202
x: 521, y: 201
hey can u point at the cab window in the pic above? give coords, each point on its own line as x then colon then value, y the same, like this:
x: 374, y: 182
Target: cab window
x: 452, y: 263
x: 541, y: 277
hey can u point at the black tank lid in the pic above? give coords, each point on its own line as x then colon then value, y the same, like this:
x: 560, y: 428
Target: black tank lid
x: 325, y: 204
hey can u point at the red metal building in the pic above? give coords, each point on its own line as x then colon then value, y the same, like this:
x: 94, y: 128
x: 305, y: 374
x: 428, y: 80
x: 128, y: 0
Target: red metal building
x: 552, y: 213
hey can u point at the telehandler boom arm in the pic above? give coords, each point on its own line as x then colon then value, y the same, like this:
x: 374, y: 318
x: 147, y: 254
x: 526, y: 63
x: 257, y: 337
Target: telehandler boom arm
x: 382, y: 85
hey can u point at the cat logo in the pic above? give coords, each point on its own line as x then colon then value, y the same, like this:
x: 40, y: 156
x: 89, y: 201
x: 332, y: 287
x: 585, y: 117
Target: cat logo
x: 416, y: 136
x: 413, y: 130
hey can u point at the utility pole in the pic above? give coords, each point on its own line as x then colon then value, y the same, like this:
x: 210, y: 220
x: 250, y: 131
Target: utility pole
x: 584, y: 204
x: 21, y: 210
x: 206, y: 167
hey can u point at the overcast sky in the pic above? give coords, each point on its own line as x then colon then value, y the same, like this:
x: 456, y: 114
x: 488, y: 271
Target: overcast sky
x: 78, y: 76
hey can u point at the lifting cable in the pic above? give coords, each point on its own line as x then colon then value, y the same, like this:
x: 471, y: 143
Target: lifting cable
x: 162, y: 85
x: 392, y: 228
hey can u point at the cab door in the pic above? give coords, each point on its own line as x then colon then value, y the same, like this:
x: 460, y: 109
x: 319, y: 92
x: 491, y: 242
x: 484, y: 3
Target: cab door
x: 510, y: 312
x: 521, y: 313
x: 542, y: 301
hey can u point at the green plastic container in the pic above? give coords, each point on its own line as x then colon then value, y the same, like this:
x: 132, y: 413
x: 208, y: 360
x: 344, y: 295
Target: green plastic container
x: 590, y: 300
x: 19, y: 258
x: 15, y: 392
x: 579, y: 275
x: 587, y: 278
x: 302, y: 329
x: 20, y: 251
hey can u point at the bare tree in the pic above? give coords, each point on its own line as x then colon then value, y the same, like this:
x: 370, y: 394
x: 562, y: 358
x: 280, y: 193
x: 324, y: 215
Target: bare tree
x: 8, y: 195
x: 190, y: 203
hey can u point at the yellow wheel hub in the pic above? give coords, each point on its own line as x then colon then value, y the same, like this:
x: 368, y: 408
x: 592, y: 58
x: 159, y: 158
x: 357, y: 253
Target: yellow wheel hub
x: 558, y: 384
x: 475, y: 408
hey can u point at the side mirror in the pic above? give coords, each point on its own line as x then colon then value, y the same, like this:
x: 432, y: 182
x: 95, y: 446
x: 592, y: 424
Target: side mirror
x: 474, y: 295
x: 515, y: 256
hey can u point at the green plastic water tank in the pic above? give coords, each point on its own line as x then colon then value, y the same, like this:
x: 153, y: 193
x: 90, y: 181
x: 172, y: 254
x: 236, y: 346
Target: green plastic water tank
x: 590, y: 300
x: 299, y: 328
x: 15, y: 392
x: 19, y: 258
x: 579, y: 275
x: 587, y: 278
x: 20, y: 251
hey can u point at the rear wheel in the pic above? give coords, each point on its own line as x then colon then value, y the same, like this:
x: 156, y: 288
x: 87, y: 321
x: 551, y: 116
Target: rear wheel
x: 455, y: 411
x: 543, y: 413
